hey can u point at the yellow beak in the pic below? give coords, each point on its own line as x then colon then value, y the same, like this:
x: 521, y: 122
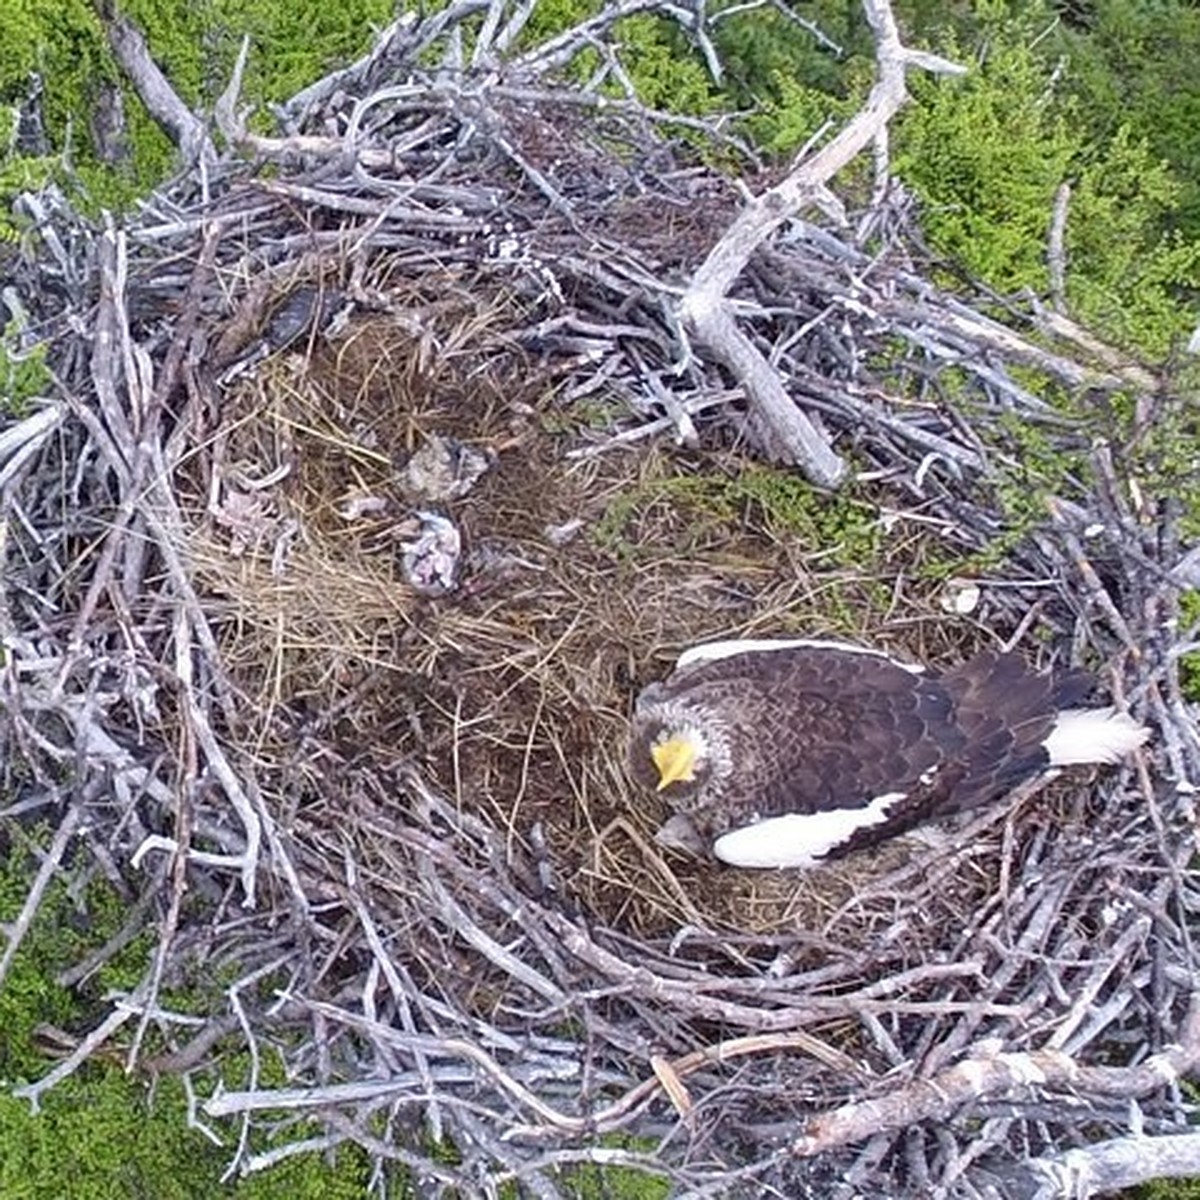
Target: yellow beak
x: 675, y: 759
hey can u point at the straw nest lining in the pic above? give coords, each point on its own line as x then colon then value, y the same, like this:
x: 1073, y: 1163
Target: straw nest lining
x: 400, y: 823
x: 580, y: 577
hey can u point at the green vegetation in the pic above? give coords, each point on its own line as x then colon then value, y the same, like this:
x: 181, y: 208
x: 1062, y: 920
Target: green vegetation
x: 23, y: 375
x: 128, y: 1136
x: 1130, y: 269
x: 1132, y: 64
x: 1032, y: 469
x: 592, y: 1182
x: 1189, y: 664
x: 1168, y: 1189
x: 63, y: 42
x: 127, y: 1139
x: 668, y: 80
x: 703, y: 509
x: 793, y: 112
x: 291, y: 45
x: 987, y: 154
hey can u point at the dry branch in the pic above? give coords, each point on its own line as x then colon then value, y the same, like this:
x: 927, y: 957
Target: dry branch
x: 163, y: 103
x: 994, y: 1073
x: 1112, y: 1166
x: 704, y: 307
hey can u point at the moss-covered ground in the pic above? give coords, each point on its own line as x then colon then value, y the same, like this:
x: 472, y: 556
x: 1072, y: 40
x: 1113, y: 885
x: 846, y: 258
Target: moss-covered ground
x: 104, y: 1133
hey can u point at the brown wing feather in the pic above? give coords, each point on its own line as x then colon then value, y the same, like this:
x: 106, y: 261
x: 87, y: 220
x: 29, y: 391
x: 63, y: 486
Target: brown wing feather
x: 1006, y: 712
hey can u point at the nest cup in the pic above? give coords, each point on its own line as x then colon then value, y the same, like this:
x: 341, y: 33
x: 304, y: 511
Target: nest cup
x: 581, y: 575
x: 420, y: 749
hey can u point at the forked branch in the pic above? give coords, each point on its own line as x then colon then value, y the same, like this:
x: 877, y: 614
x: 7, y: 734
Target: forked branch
x: 705, y: 308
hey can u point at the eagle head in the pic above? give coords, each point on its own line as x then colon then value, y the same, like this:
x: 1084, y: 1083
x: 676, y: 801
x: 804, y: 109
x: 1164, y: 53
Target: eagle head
x: 675, y: 759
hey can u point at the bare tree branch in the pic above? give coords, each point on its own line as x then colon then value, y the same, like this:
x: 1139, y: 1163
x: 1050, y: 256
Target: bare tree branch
x: 1109, y: 1167
x: 705, y: 310
x: 994, y: 1073
x: 182, y: 126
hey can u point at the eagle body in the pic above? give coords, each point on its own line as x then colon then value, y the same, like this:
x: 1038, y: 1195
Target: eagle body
x: 785, y: 752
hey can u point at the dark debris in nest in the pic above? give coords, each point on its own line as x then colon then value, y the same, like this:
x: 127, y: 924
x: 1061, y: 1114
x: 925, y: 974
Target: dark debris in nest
x: 400, y: 821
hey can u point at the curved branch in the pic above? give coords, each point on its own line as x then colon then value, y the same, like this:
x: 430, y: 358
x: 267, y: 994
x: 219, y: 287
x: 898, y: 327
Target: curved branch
x: 995, y: 1074
x: 705, y: 308
x: 162, y: 101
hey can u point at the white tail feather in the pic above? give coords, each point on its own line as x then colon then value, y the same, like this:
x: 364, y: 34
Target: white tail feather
x: 1093, y: 735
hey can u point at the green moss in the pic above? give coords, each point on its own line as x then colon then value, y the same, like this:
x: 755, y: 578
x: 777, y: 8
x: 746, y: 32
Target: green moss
x: 594, y: 1182
x: 128, y: 1136
x: 843, y: 528
x: 1167, y: 1189
x: 126, y: 1141
x: 1189, y: 664
x: 64, y: 930
x: 709, y: 507
x: 125, y: 1138
x: 595, y: 413
x: 23, y: 375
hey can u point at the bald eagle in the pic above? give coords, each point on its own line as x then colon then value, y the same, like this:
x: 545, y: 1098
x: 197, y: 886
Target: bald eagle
x: 781, y: 753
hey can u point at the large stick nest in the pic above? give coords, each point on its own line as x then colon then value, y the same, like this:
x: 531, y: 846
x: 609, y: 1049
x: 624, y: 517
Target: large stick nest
x: 396, y: 826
